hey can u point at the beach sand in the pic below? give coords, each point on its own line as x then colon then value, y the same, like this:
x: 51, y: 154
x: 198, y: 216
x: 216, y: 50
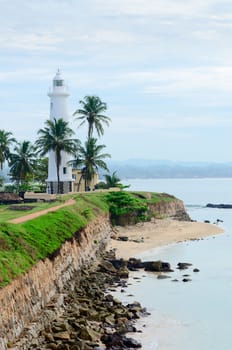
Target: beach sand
x: 148, y: 235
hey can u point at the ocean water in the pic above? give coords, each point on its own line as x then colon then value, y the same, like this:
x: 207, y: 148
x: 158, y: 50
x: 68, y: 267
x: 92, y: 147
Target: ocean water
x: 196, y: 315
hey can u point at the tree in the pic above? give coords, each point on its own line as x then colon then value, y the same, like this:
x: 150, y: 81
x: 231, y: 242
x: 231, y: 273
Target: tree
x: 112, y: 180
x: 56, y: 137
x: 6, y: 140
x: 22, y: 162
x: 91, y: 112
x: 90, y: 159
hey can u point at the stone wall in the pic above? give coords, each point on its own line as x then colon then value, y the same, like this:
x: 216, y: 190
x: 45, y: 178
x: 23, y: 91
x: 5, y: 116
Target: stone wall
x: 23, y: 299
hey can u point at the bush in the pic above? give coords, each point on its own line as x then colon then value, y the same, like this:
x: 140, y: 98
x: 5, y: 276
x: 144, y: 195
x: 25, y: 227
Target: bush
x: 125, y: 209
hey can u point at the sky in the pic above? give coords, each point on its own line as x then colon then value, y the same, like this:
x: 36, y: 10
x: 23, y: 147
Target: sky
x: 164, y: 68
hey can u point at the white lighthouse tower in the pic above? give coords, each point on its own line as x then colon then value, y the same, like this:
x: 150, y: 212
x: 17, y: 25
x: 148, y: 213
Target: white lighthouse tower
x: 58, y: 109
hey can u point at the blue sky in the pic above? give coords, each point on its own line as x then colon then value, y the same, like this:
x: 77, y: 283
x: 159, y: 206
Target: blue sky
x: 164, y: 67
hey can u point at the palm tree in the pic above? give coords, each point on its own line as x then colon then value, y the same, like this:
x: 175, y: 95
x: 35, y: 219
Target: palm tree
x: 56, y: 137
x: 112, y: 180
x: 6, y: 141
x: 22, y: 162
x: 91, y: 112
x: 90, y: 159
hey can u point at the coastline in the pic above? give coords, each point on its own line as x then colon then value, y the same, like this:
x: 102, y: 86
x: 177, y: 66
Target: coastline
x: 145, y: 236
x: 156, y: 234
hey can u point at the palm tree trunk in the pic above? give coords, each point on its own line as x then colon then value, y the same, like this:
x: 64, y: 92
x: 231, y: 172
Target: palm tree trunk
x: 58, y: 178
x: 79, y: 183
x: 58, y: 172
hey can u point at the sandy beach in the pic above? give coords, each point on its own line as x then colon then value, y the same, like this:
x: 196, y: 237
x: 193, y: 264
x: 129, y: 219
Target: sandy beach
x: 145, y: 236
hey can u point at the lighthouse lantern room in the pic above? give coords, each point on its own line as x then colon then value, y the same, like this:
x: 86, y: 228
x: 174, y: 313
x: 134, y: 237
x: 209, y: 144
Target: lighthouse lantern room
x: 58, y: 109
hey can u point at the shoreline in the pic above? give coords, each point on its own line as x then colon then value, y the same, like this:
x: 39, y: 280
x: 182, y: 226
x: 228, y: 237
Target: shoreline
x: 160, y: 232
x: 151, y: 235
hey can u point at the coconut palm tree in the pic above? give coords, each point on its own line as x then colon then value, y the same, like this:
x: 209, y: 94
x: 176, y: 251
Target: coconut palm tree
x: 22, y: 162
x: 56, y: 137
x: 91, y: 112
x: 89, y: 160
x: 112, y: 180
x: 6, y: 140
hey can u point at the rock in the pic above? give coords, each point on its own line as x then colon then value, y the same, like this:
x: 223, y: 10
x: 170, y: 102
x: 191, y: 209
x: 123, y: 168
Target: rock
x: 157, y: 266
x: 183, y: 266
x: 123, y: 272
x: 220, y: 206
x: 62, y: 336
x: 123, y: 238
x: 134, y: 264
x: 87, y: 333
x: 107, y: 266
x: 196, y: 270
x: 186, y: 280
x: 118, y: 263
x: 131, y: 343
x: 162, y: 277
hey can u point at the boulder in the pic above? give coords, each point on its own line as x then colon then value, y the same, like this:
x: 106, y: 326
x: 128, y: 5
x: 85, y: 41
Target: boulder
x: 157, y: 266
x: 183, y: 265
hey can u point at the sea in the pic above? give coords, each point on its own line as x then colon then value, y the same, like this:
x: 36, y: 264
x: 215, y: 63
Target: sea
x: 194, y: 315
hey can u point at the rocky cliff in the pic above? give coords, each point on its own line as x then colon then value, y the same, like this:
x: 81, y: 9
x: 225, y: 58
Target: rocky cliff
x: 22, y: 300
x: 173, y: 208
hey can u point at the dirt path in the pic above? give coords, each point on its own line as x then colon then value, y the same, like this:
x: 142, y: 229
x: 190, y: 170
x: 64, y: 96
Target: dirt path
x: 40, y: 213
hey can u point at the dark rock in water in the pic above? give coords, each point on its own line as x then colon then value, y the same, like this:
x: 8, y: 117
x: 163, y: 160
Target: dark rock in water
x: 206, y: 221
x: 196, y: 270
x: 218, y: 220
x: 118, y: 263
x: 186, y: 280
x: 131, y: 343
x: 219, y: 206
x: 119, y: 342
x: 183, y: 266
x: 162, y: 277
x: 157, y: 266
x: 134, y: 264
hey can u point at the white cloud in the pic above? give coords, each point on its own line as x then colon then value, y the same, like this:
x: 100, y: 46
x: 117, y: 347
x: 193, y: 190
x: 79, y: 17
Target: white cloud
x: 184, y: 81
x: 155, y: 7
x: 167, y: 122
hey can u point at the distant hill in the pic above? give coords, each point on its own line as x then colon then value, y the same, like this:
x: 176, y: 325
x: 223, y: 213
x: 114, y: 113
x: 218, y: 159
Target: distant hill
x: 144, y: 169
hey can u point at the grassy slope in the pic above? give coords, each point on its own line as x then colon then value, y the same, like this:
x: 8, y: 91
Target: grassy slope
x: 22, y: 245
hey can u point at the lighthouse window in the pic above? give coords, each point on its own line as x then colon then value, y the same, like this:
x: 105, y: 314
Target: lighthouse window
x: 64, y: 170
x: 58, y: 82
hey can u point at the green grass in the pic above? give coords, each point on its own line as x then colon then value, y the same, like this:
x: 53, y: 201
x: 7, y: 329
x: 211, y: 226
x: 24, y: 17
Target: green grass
x: 7, y: 214
x: 22, y: 245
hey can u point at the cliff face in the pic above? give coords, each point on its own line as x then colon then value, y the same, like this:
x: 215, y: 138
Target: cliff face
x: 174, y: 209
x: 27, y: 295
x: 22, y: 301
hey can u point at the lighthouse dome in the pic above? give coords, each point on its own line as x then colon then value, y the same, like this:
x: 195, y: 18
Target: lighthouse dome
x: 58, y: 80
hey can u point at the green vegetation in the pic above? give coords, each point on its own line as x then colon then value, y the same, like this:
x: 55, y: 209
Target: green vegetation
x: 56, y: 137
x: 7, y: 214
x: 22, y: 245
x: 90, y: 159
x: 91, y: 112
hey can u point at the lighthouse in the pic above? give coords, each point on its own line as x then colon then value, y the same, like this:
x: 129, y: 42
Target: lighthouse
x: 58, y: 109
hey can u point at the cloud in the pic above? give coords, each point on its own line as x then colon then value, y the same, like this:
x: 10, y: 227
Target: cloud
x: 184, y: 81
x: 168, y: 122
x: 155, y: 7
